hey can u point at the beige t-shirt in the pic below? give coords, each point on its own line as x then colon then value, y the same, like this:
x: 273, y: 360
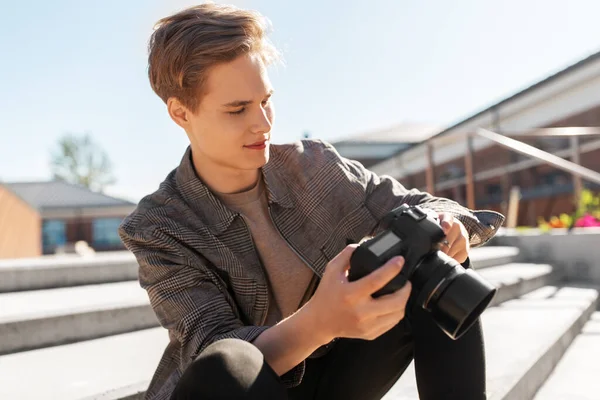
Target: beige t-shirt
x: 291, y: 281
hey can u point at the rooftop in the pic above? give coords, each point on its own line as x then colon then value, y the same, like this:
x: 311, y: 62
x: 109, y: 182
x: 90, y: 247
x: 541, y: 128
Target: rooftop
x: 59, y: 194
x: 400, y: 133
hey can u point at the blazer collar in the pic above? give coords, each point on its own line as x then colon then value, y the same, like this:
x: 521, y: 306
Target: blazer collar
x: 214, y: 214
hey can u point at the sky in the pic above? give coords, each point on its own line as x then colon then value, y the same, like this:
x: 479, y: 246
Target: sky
x: 351, y: 66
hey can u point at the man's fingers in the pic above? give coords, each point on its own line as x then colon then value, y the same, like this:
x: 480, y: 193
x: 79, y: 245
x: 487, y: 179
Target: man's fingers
x: 341, y: 262
x: 446, y: 221
x: 453, y: 235
x: 445, y: 247
x: 393, y: 302
x: 458, y: 245
x: 451, y: 232
x: 461, y: 256
x: 386, y: 322
x: 380, y: 277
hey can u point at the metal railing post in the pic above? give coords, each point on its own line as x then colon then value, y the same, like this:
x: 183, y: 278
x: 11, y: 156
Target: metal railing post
x: 469, y: 173
x: 577, y: 181
x: 430, y: 172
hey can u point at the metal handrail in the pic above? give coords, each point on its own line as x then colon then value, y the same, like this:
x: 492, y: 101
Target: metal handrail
x: 557, y: 132
x: 569, y: 131
x: 528, y: 150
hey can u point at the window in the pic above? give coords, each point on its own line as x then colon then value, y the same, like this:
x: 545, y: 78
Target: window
x: 494, y: 193
x: 493, y: 190
x: 53, y: 235
x: 556, y: 178
x: 552, y: 144
x: 105, y: 232
x: 452, y: 172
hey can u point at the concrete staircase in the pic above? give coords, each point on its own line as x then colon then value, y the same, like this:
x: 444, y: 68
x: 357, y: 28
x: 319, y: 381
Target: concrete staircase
x: 76, y: 328
x: 534, y: 319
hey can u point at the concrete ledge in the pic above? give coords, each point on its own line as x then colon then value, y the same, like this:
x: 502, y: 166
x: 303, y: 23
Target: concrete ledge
x: 132, y: 392
x: 64, y: 271
x: 85, y: 369
x: 69, y: 328
x: 40, y: 318
x: 490, y: 256
x: 575, y: 254
x: 53, y: 271
x: 517, y: 279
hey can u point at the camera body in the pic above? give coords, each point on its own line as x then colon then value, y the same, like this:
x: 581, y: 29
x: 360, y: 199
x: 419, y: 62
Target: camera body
x: 455, y: 296
x: 408, y: 231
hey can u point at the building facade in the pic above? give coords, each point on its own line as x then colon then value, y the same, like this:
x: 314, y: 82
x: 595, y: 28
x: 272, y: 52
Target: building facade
x: 569, y: 98
x: 48, y: 217
x: 20, y: 227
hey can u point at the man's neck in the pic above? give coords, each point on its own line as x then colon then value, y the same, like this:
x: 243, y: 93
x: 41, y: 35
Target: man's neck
x: 222, y: 179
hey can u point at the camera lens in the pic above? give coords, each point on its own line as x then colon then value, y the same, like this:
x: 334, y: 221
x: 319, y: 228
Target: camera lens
x: 455, y: 296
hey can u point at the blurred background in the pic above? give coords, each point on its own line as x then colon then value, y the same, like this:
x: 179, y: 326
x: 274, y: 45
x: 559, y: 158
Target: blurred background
x: 405, y: 87
x: 374, y: 79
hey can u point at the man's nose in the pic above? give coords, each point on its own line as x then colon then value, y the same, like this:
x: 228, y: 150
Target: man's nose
x: 262, y: 122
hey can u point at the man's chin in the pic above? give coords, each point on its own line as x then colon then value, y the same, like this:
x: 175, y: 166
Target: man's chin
x: 262, y: 159
x: 256, y: 163
x: 262, y: 164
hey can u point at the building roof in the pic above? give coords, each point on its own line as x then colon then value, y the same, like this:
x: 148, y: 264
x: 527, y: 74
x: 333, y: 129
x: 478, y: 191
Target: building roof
x: 371, y: 147
x: 410, y: 159
x: 59, y: 194
x: 400, y: 133
x: 535, y: 86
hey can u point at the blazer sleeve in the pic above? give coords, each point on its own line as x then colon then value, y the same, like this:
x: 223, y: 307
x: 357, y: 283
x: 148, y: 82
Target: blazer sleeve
x: 384, y: 193
x: 189, y: 299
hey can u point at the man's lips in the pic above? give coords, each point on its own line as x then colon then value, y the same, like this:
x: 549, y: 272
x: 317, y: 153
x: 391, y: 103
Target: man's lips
x: 257, y: 144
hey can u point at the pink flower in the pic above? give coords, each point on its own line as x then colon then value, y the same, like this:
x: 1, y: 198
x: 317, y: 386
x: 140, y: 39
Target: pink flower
x: 587, y: 221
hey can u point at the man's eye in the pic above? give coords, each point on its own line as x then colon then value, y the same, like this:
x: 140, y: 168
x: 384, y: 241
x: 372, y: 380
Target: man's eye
x: 238, y: 112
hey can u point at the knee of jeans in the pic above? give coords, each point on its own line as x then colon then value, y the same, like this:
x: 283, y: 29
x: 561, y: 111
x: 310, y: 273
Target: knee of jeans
x: 229, y: 355
x: 232, y: 369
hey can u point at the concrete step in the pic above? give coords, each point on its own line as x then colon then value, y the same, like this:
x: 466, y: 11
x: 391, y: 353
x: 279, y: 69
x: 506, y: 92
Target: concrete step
x: 41, y: 318
x: 509, y: 278
x: 85, y: 369
x: 517, y: 279
x: 576, y: 375
x: 72, y: 270
x: 490, y: 256
x: 68, y: 270
x: 525, y: 338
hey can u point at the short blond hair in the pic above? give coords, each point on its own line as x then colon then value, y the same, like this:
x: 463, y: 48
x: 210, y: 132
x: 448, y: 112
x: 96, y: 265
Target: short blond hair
x: 185, y: 45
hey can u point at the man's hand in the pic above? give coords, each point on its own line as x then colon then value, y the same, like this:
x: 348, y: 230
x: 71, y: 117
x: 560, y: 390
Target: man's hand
x: 456, y: 244
x: 341, y: 308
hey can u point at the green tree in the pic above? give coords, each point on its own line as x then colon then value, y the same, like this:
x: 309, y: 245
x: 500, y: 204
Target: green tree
x: 79, y: 160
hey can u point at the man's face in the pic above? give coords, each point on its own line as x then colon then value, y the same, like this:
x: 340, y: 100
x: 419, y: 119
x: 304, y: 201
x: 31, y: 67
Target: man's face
x: 232, y: 126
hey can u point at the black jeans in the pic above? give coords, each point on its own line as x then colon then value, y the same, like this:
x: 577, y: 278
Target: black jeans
x: 352, y: 369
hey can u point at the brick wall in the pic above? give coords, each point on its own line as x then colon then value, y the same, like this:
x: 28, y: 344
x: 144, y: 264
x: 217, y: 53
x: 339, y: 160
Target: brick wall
x: 20, y: 227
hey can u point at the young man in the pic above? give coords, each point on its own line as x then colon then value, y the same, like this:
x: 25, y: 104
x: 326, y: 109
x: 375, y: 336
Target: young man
x: 243, y: 248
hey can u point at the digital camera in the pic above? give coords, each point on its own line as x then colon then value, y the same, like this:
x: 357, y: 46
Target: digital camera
x: 455, y: 296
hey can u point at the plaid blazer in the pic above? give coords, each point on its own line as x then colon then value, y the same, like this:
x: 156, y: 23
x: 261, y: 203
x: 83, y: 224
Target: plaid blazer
x: 198, y: 263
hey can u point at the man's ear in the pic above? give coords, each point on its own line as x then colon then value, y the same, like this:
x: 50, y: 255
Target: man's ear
x: 178, y: 112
